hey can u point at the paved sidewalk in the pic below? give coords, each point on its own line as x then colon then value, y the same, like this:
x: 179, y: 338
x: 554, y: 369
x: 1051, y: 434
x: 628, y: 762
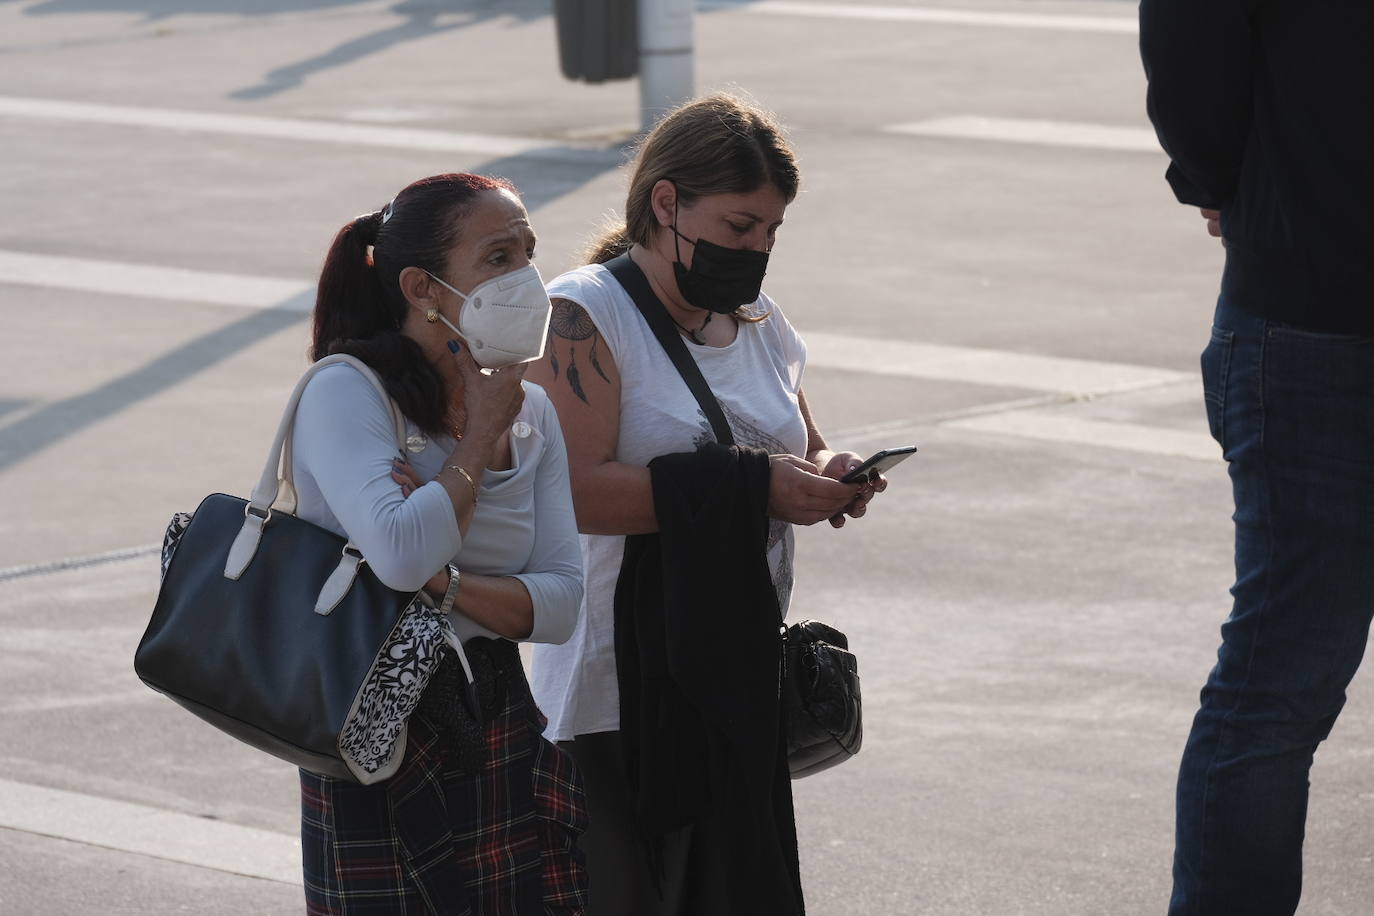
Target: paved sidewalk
x: 985, y: 261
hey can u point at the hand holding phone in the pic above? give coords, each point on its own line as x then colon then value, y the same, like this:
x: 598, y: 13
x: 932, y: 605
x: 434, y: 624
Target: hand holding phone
x: 879, y: 463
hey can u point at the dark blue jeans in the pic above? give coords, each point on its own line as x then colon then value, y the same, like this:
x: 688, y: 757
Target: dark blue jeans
x: 1293, y: 411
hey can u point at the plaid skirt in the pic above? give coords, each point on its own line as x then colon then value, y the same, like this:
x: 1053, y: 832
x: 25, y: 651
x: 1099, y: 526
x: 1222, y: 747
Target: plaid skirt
x: 443, y: 839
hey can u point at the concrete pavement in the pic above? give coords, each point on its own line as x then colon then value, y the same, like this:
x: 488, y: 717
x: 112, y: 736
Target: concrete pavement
x: 1035, y: 601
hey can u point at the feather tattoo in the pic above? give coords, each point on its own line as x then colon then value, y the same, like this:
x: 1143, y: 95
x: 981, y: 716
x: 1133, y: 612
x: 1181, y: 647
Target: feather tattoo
x: 571, y: 322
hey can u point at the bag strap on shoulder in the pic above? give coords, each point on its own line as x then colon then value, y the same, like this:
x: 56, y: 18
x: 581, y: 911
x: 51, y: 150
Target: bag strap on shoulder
x: 278, y: 479
x: 628, y: 274
x: 277, y: 476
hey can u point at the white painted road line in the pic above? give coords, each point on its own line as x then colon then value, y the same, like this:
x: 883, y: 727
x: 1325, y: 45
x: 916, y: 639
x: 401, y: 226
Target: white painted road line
x: 1075, y: 377
x: 942, y: 362
x: 405, y: 138
x: 148, y: 831
x: 1174, y: 443
x: 149, y: 282
x: 894, y: 430
x: 968, y: 127
x: 1040, y: 133
x: 1121, y: 25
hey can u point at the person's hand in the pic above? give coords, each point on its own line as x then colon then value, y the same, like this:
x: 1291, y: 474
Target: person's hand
x: 492, y: 398
x: 404, y: 474
x: 1213, y: 218
x: 840, y: 464
x: 798, y: 494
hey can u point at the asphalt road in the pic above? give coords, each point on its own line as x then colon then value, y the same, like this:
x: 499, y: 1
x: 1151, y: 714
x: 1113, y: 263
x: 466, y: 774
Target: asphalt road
x: 985, y: 260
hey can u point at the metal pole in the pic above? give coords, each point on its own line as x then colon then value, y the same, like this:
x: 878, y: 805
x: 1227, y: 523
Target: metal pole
x: 666, y: 58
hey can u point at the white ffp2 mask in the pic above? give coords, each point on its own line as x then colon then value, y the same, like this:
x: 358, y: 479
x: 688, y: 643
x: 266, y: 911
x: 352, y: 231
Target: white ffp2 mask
x: 504, y: 320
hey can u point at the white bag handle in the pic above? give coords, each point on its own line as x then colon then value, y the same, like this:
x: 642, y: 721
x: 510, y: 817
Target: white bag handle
x: 275, y: 472
x: 277, y: 479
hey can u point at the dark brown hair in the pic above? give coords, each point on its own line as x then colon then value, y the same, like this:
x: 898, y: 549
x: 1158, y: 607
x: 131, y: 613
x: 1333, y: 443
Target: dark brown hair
x: 359, y: 306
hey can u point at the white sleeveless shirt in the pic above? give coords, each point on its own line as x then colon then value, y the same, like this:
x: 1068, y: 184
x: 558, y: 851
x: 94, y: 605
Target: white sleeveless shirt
x: 756, y: 379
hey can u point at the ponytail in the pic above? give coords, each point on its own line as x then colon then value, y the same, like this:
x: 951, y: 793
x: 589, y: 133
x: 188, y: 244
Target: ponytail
x: 612, y: 243
x: 354, y: 315
x: 359, y: 306
x: 349, y: 302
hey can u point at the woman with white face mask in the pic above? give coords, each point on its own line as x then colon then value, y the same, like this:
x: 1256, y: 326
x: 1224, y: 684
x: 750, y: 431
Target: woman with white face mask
x: 436, y: 293
x: 666, y: 695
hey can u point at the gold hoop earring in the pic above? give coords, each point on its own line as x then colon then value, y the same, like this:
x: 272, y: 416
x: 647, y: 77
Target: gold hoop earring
x: 432, y: 315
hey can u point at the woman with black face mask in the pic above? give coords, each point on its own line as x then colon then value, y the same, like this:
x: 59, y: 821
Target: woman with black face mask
x: 666, y: 695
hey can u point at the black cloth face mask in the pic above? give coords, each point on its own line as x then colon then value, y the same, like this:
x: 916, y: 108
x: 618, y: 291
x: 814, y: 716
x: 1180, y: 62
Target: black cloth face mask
x: 720, y: 279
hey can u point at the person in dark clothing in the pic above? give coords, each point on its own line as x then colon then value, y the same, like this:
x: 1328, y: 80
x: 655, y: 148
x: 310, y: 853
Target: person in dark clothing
x: 1262, y: 107
x: 704, y: 752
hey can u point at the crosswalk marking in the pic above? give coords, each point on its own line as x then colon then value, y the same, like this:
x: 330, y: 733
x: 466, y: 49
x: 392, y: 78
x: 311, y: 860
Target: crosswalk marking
x: 939, y: 362
x: 1037, y: 132
x: 1175, y: 443
x: 146, y: 281
x: 943, y: 362
x: 1121, y: 25
x: 1060, y: 378
x: 336, y: 132
x: 969, y: 127
x: 169, y: 835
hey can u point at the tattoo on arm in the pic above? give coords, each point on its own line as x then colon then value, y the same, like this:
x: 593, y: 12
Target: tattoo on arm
x: 571, y: 322
x: 575, y: 379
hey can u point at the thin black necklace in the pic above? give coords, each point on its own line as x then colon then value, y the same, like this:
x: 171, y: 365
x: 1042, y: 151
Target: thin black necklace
x: 698, y: 336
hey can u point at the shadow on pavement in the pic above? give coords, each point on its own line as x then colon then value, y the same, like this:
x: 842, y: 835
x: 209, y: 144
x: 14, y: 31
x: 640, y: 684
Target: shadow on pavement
x: 68, y: 416
x: 542, y: 176
x: 7, y: 405
x: 539, y: 180
x: 161, y: 9
x: 422, y: 18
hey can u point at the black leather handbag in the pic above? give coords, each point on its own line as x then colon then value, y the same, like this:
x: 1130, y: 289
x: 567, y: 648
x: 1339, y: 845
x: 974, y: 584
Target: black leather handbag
x: 822, y: 708
x: 276, y: 631
x: 820, y: 698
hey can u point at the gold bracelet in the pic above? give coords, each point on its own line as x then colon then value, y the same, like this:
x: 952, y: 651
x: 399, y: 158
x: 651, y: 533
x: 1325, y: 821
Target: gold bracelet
x: 468, y: 477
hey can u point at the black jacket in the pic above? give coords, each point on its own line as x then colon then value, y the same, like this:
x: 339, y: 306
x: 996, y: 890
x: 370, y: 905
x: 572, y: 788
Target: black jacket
x: 697, y: 650
x: 1264, y: 108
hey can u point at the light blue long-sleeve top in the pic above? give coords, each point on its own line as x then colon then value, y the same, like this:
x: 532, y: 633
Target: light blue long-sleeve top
x: 342, y: 447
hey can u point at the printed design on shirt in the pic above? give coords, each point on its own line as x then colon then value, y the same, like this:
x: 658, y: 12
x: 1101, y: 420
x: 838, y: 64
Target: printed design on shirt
x: 571, y: 322
x: 743, y: 429
x: 705, y: 435
x: 783, y: 576
x: 372, y: 735
x: 747, y: 433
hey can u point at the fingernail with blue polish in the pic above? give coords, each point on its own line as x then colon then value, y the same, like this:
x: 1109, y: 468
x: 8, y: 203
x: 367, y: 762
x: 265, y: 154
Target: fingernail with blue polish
x: 453, y: 346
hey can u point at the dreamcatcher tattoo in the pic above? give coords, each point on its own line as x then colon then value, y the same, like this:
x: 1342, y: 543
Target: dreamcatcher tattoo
x: 571, y: 322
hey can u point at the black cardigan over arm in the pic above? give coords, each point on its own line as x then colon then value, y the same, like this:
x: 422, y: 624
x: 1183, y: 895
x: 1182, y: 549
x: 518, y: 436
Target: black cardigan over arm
x: 698, y: 651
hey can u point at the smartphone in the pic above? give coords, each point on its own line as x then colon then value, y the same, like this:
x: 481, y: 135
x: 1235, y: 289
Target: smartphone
x: 879, y: 463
